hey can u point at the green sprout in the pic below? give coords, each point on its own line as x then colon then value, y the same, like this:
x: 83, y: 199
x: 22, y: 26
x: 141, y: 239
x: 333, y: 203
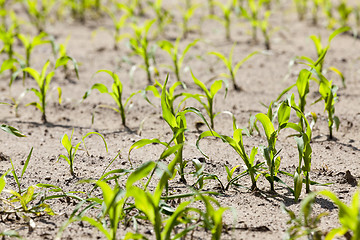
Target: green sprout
x: 139, y: 44
x: 163, y: 16
x: 187, y: 14
x: 209, y: 94
x: 227, y: 10
x: 252, y: 15
x: 344, y: 12
x: 72, y: 150
x: 8, y: 36
x: 43, y: 81
x: 264, y: 26
x: 301, y: 8
x: 30, y: 43
x: 116, y: 94
x: 238, y: 145
x: 119, y: 24
x: 62, y: 58
x: 176, y: 57
x: 39, y: 12
x: 228, y: 62
x: 269, y: 152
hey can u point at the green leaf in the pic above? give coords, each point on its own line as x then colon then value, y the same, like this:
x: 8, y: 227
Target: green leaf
x: 7, y: 64
x: 283, y: 114
x: 66, y: 142
x: 11, y: 130
x: 26, y: 163
x: 267, y: 124
x: 140, y: 173
x: 143, y: 142
x: 98, y: 225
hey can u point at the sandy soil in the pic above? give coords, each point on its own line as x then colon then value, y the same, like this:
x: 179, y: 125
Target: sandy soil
x: 263, y: 77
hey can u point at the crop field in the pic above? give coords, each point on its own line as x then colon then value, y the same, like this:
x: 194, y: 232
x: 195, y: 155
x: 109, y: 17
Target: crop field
x: 179, y: 119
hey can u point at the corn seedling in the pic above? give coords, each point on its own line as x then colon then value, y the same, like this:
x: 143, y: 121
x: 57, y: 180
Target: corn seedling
x: 301, y: 8
x: 348, y: 216
x: 238, y: 145
x: 26, y: 198
x: 187, y: 14
x: 29, y: 44
x: 39, y: 12
x: 62, y: 57
x: 177, y: 123
x: 119, y: 24
x: 252, y: 15
x: 72, y: 150
x: 315, y: 11
x: 176, y: 57
x: 269, y: 152
x: 228, y: 62
x: 306, y: 223
x: 264, y: 26
x: 329, y: 96
x: 43, y: 81
x: 163, y: 16
x: 209, y: 94
x: 139, y: 44
x: 322, y: 50
x: 116, y: 94
x: 226, y: 9
x: 302, y: 139
x: 344, y: 12
x: 7, y: 36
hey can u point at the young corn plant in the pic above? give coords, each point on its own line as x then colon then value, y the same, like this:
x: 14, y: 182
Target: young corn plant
x: 302, y: 139
x: 227, y: 10
x: 315, y: 10
x: 176, y: 57
x: 228, y: 62
x: 301, y: 8
x: 30, y: 43
x: 186, y: 15
x: 163, y: 16
x: 236, y: 142
x: 119, y: 24
x: 270, y: 153
x: 139, y: 44
x: 112, y: 205
x: 344, y: 12
x: 209, y: 94
x: 306, y: 223
x: 329, y: 96
x: 62, y: 57
x: 264, y: 26
x: 43, y: 81
x: 348, y: 216
x: 72, y: 149
x: 252, y: 15
x: 116, y: 94
x: 322, y: 50
x: 177, y: 123
x: 8, y: 36
x: 170, y: 94
x: 39, y: 12
x: 25, y: 198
